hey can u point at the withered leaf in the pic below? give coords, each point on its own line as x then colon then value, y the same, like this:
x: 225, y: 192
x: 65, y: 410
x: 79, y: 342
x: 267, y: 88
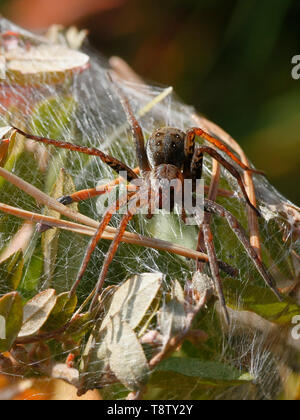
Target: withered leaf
x: 127, y: 359
x: 43, y: 63
x: 62, y: 312
x: 37, y: 311
x: 133, y: 298
x: 172, y: 316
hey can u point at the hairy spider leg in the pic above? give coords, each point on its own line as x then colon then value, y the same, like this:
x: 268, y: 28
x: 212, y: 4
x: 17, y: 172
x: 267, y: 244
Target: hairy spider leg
x: 205, y: 237
x: 138, y: 200
x: 86, y: 194
x: 198, y: 154
x: 96, y: 238
x: 190, y: 146
x: 239, y: 231
x: 212, y: 257
x: 114, y: 163
x: 110, y: 255
x: 136, y: 129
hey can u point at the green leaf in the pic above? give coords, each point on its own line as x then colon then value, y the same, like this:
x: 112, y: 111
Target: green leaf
x: 169, y: 228
x: 51, y: 117
x: 133, y: 298
x: 127, y: 358
x: 260, y: 300
x: 205, y: 370
x: 79, y: 326
x: 4, y: 145
x: 189, y: 378
x: 37, y: 311
x: 118, y: 348
x: 172, y: 319
x: 33, y: 272
x: 14, y: 152
x: 11, y: 271
x: 172, y: 316
x: 64, y: 185
x: 11, y: 317
x: 114, y: 343
x: 62, y: 312
x: 94, y: 361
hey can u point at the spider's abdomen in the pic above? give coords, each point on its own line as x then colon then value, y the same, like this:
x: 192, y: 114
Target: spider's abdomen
x: 166, y: 146
x: 169, y: 186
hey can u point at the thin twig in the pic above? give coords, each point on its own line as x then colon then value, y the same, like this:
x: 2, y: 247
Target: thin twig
x: 109, y: 234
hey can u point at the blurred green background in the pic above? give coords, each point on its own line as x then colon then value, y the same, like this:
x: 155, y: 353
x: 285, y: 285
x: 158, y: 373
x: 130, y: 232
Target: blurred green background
x: 231, y: 59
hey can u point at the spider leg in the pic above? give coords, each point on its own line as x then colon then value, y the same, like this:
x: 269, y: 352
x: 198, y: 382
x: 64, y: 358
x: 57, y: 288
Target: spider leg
x: 96, y: 238
x: 214, y: 267
x: 198, y: 156
x: 239, y: 231
x: 190, y: 146
x: 83, y: 195
x: 87, y: 194
x: 212, y: 196
x: 205, y: 237
x: 136, y: 129
x: 114, y: 163
x: 132, y: 210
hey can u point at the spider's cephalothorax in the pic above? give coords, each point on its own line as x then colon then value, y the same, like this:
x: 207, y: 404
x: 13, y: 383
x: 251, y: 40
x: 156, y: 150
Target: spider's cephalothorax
x: 166, y: 146
x: 170, y: 154
x: 165, y: 153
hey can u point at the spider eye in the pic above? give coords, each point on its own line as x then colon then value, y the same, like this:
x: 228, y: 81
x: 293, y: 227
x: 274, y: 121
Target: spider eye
x: 174, y: 145
x: 177, y: 136
x: 157, y: 134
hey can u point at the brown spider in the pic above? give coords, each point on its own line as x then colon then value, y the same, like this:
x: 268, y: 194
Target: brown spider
x: 170, y: 154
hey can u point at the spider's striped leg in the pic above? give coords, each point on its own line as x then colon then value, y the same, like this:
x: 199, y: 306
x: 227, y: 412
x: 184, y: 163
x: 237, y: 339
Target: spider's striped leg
x: 133, y: 206
x: 87, y: 194
x: 136, y: 129
x: 114, y: 163
x: 198, y: 154
x: 194, y: 171
x: 205, y: 238
x: 83, y: 195
x: 96, y: 238
x: 213, y: 263
x: 190, y: 144
x: 239, y: 231
x: 77, y: 197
